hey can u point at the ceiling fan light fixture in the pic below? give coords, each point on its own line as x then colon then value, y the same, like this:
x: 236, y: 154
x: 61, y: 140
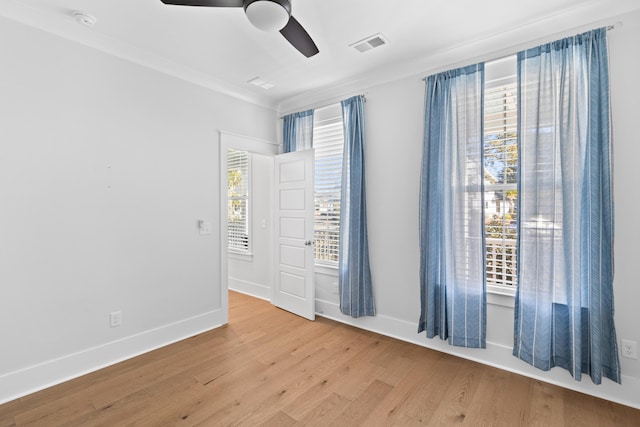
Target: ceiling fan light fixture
x: 268, y: 15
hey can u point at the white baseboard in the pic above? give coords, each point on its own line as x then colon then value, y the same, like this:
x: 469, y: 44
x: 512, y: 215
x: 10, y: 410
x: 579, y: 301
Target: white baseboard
x: 38, y: 377
x: 496, y: 355
x: 249, y: 288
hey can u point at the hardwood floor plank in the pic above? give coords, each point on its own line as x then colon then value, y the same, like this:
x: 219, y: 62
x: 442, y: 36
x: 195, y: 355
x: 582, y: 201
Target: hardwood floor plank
x: 278, y: 385
x: 280, y: 419
x: 55, y: 413
x: 580, y: 410
x: 9, y: 410
x: 427, y: 395
x: 459, y: 395
x: 547, y: 406
x: 325, y: 411
x: 359, y: 410
x: 322, y: 382
x: 269, y: 367
x: 486, y: 406
x: 391, y: 409
x: 518, y: 389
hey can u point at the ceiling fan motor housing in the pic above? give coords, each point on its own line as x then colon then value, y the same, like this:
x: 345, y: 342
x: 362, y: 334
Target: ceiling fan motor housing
x: 268, y: 15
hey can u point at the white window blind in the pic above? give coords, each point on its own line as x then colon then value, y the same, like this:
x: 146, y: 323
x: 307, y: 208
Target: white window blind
x: 238, y: 164
x: 328, y: 141
x: 500, y: 172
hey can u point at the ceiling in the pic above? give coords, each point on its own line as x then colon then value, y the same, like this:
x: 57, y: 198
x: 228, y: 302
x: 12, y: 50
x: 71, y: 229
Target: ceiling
x: 219, y: 48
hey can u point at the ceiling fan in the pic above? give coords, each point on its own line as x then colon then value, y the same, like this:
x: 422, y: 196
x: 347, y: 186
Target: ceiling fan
x: 266, y: 15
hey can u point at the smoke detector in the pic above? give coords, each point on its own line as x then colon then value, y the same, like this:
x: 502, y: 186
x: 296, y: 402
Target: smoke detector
x: 84, y: 19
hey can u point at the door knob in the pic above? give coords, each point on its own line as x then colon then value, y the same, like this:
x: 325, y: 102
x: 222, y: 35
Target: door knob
x: 308, y: 242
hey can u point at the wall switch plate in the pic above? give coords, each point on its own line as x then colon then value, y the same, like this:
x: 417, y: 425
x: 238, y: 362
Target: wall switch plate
x: 629, y: 349
x: 205, y: 227
x: 115, y: 319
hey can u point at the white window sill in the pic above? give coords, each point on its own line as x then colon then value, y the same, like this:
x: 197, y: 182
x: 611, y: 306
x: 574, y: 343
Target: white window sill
x: 243, y: 256
x: 503, y: 296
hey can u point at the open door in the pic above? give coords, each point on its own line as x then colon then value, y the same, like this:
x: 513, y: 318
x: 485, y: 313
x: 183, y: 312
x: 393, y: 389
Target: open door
x: 294, y: 289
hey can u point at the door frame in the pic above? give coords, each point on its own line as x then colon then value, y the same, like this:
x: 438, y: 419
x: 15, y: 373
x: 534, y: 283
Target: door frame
x: 237, y: 142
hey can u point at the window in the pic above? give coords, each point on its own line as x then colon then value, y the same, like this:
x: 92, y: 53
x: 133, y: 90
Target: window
x: 238, y: 165
x: 500, y: 172
x: 328, y: 141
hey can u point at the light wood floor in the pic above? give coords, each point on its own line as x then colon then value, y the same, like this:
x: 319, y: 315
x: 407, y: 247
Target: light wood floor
x: 269, y: 367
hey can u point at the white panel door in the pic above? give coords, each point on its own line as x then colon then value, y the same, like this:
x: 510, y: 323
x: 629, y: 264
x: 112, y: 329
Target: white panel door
x: 294, y: 254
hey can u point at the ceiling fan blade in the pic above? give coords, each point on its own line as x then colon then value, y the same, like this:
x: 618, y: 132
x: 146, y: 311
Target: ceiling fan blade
x: 208, y: 3
x: 299, y: 38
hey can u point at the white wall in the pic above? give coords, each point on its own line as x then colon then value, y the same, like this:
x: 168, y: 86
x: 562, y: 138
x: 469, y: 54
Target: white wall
x: 394, y: 130
x: 105, y: 169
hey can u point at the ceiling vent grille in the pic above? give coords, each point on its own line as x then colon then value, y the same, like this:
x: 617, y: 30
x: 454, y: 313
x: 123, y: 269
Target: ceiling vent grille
x: 260, y: 82
x: 369, y: 43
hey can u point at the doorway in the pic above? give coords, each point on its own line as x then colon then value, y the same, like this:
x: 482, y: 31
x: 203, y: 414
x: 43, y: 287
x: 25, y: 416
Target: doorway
x: 266, y: 250
x: 248, y: 271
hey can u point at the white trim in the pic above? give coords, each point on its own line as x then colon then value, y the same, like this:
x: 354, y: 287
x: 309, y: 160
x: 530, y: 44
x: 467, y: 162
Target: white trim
x: 501, y: 299
x: 510, y: 41
x: 496, y: 355
x: 257, y: 290
x: 248, y: 141
x: 327, y: 270
x: 242, y: 256
x: 34, y: 378
x: 58, y: 24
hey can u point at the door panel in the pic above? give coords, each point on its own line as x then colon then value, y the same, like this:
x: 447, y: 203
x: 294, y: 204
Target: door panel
x: 292, y: 285
x: 294, y: 288
x: 292, y: 256
x: 292, y: 227
x: 292, y: 200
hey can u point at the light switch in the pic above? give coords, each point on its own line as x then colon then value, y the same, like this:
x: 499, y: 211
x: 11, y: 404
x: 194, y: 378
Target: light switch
x: 205, y: 227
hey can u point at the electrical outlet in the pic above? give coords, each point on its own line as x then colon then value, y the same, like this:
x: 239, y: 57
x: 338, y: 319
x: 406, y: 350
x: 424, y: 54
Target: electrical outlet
x: 629, y: 349
x: 115, y: 319
x: 335, y: 288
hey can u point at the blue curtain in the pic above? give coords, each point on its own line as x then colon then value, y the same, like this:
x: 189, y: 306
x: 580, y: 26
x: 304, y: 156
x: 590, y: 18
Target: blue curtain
x: 564, y: 302
x: 297, y: 131
x: 452, y: 280
x: 356, y: 297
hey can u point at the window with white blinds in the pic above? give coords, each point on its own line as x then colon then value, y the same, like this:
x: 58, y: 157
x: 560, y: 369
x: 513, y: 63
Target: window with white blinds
x: 501, y: 172
x: 328, y: 141
x: 238, y: 166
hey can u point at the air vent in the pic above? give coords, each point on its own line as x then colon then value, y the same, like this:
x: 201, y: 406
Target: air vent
x: 260, y: 82
x: 370, y: 43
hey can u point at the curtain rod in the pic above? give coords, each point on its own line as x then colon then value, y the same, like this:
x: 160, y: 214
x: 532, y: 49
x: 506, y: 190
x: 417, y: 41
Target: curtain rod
x: 608, y: 28
x: 364, y: 98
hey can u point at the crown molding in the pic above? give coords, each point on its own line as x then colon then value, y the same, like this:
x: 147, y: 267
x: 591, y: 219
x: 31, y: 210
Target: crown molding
x: 489, y: 47
x: 62, y: 24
